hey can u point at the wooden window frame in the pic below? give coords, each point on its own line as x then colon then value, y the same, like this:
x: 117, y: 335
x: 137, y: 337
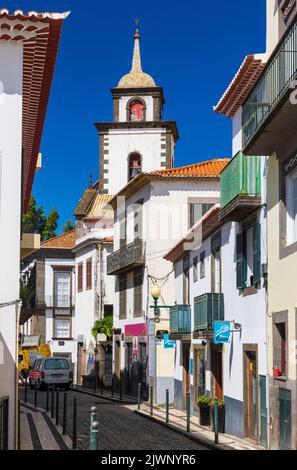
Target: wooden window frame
x: 138, y: 291
x: 80, y: 277
x: 89, y: 273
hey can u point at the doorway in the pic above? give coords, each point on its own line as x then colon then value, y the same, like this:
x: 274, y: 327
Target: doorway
x: 186, y: 372
x: 251, y: 394
x: 217, y: 371
x: 129, y: 366
x: 142, y: 370
x: 285, y: 419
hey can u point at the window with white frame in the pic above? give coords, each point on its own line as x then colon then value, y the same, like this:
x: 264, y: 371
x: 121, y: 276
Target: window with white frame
x: 62, y: 289
x: 291, y: 207
x: 62, y: 328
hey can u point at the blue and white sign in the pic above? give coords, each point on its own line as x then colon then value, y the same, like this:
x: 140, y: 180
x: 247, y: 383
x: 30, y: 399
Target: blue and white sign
x: 222, y: 332
x: 168, y: 343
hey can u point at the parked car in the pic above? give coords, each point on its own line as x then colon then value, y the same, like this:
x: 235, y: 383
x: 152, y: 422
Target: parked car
x: 51, y: 371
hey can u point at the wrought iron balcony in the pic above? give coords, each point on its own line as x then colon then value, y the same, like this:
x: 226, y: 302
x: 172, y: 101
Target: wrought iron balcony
x: 180, y: 319
x: 240, y: 187
x: 268, y: 110
x: 59, y: 301
x: 126, y: 258
x: 208, y: 308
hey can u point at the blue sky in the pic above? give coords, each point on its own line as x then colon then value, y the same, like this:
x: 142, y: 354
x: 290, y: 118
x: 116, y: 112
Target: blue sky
x: 191, y: 48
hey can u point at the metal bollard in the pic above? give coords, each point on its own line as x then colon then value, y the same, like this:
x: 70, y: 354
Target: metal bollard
x: 57, y: 407
x: 139, y: 395
x: 47, y: 398
x: 94, y: 438
x: 25, y: 390
x: 35, y: 394
x: 93, y: 416
x: 216, y: 419
x: 53, y: 402
x: 65, y: 414
x: 74, y: 424
x: 167, y: 405
x: 151, y: 400
x: 188, y: 412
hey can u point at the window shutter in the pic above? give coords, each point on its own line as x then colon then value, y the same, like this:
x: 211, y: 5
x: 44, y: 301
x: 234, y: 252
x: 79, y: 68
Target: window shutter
x: 257, y: 253
x: 240, y: 261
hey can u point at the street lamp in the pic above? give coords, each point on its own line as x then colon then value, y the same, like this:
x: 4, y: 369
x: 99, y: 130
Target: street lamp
x: 156, y: 294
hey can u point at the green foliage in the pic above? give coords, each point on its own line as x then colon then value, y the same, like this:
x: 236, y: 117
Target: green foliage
x: 68, y: 226
x: 26, y: 292
x: 204, y: 401
x: 103, y: 326
x: 221, y: 403
x: 36, y: 221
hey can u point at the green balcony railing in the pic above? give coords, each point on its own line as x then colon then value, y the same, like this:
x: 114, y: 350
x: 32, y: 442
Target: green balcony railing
x: 275, y: 81
x: 241, y: 177
x: 180, y: 319
x: 208, y: 308
x: 126, y: 257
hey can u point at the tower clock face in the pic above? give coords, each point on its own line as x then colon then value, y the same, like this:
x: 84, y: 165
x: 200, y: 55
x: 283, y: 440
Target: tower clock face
x: 136, y: 110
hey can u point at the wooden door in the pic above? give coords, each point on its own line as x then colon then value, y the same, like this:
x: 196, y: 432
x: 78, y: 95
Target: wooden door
x: 186, y: 367
x: 285, y: 419
x: 217, y: 371
x: 252, y: 401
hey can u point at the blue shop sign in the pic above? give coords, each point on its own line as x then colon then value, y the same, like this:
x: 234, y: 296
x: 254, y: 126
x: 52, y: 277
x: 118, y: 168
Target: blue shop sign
x: 168, y: 343
x: 222, y: 332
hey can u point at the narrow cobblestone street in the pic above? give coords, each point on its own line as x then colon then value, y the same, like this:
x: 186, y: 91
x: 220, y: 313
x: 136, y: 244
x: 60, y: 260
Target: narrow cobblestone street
x: 119, y: 427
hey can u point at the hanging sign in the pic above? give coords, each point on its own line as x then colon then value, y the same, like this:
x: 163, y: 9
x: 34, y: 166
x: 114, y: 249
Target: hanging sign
x: 222, y: 332
x: 168, y: 343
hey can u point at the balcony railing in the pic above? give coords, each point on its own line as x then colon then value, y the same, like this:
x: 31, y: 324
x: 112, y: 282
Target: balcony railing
x: 180, y: 319
x: 208, y: 308
x: 59, y: 301
x: 272, y: 86
x: 241, y: 177
x: 126, y: 257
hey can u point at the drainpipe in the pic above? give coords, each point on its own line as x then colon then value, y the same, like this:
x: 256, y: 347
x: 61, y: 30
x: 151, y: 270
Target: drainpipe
x: 17, y: 326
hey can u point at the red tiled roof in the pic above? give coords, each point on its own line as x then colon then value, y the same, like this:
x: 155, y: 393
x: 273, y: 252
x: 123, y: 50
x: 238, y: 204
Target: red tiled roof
x: 64, y: 241
x: 240, y: 87
x: 40, y: 34
x: 209, y: 168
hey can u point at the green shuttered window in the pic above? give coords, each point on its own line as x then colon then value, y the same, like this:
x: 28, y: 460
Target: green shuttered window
x: 242, y: 249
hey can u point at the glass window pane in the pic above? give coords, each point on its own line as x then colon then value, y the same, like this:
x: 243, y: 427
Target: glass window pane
x: 62, y: 289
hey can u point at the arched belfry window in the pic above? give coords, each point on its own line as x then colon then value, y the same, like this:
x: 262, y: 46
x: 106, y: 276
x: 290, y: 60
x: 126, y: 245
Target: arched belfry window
x: 134, y: 165
x: 136, y: 110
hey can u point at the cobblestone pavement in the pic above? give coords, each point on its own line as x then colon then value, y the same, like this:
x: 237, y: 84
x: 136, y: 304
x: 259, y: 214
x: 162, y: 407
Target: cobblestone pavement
x: 119, y: 427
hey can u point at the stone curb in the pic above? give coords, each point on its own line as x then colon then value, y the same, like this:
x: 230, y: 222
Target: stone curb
x: 104, y: 397
x: 200, y: 440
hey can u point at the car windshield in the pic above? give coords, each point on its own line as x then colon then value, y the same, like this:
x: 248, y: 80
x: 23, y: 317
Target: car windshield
x: 56, y: 364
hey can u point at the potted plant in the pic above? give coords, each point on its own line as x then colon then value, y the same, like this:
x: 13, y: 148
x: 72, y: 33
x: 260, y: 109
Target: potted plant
x: 221, y: 414
x: 204, y: 410
x: 26, y: 294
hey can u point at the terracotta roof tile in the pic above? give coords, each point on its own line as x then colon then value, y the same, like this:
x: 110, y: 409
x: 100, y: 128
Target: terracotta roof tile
x: 209, y: 168
x: 64, y: 241
x: 99, y: 208
x: 240, y: 87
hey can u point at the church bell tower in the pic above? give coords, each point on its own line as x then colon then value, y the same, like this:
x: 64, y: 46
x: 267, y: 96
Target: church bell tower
x: 137, y: 140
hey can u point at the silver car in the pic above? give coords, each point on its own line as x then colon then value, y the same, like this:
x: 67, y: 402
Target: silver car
x: 51, y: 371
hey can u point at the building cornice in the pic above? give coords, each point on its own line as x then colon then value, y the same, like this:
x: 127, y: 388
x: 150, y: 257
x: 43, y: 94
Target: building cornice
x: 103, y: 127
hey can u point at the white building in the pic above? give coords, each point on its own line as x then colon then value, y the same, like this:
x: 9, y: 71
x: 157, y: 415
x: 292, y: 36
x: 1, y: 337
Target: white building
x: 151, y: 213
x: 23, y: 100
x: 224, y: 269
x: 50, y: 273
x: 94, y: 289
